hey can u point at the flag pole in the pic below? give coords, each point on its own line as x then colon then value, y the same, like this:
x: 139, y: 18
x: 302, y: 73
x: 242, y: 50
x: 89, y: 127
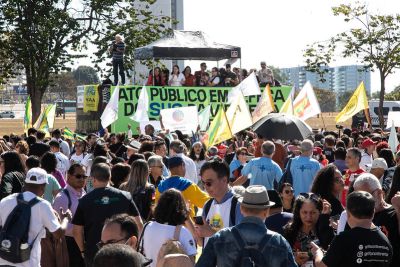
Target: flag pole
x: 323, y: 121
x: 226, y: 118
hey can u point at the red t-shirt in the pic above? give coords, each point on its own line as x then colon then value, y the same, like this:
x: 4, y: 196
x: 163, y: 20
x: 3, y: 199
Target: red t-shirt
x: 349, y: 177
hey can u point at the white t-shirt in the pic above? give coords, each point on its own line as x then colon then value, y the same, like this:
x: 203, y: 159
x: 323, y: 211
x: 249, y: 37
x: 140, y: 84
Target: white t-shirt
x: 191, y: 169
x: 63, y: 163
x: 219, y: 215
x: 215, y: 81
x: 64, y: 147
x: 176, y: 80
x: 155, y: 236
x: 78, y: 159
x: 41, y: 216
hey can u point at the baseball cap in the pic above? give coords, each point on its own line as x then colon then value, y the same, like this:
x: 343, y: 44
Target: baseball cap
x: 175, y: 162
x: 36, y: 176
x: 379, y: 163
x: 368, y: 142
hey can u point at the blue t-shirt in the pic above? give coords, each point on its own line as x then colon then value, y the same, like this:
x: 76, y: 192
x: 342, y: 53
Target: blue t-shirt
x: 262, y: 171
x: 303, y: 170
x: 235, y: 164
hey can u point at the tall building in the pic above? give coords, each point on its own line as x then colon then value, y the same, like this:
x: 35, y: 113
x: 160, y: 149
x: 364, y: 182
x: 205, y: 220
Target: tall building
x: 173, y: 9
x: 347, y: 78
x: 338, y: 79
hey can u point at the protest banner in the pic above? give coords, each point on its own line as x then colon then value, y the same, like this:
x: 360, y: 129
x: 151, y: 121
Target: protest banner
x: 172, y: 97
x: 90, y: 98
x: 184, y: 119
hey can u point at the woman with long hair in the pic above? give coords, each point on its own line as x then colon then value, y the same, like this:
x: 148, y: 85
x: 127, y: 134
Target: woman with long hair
x: 12, y: 171
x: 190, y: 79
x: 198, y: 155
x: 142, y: 191
x: 155, y: 78
x: 286, y: 193
x: 170, y: 215
x: 55, y: 179
x: 22, y: 149
x: 395, y: 186
x: 176, y: 78
x: 328, y: 184
x: 310, y: 223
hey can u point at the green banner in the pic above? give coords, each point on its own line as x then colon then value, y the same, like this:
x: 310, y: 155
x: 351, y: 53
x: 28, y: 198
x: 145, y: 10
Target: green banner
x: 171, y: 97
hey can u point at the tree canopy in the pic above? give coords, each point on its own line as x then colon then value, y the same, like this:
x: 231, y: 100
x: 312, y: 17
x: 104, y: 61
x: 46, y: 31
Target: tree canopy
x: 373, y: 39
x: 42, y: 37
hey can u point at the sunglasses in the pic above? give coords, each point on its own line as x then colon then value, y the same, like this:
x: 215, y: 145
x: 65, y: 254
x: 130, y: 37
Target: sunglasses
x: 80, y: 176
x: 208, y: 184
x: 311, y: 196
x: 156, y: 167
x: 289, y: 191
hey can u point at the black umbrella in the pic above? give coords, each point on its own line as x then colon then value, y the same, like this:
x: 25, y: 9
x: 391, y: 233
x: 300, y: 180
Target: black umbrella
x: 282, y: 126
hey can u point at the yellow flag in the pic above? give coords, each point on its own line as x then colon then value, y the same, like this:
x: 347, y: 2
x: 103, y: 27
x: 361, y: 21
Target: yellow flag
x: 357, y: 102
x: 287, y: 107
x: 238, y: 115
x: 265, y: 105
x: 219, y: 130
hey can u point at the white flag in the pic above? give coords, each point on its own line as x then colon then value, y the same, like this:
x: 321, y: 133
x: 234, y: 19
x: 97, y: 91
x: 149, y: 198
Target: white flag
x: 204, y: 118
x: 248, y: 86
x: 142, y: 107
x: 238, y: 115
x: 306, y: 104
x: 110, y: 113
x: 393, y: 141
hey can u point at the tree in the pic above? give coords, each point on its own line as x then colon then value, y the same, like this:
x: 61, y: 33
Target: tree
x: 326, y: 99
x: 85, y: 75
x: 40, y: 35
x: 375, y: 42
x: 343, y: 99
x: 64, y: 84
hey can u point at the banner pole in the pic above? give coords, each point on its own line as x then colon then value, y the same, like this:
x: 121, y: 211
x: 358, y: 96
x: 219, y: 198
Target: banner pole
x: 323, y: 121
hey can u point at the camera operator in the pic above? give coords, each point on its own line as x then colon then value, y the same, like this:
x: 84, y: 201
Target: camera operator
x: 117, y: 49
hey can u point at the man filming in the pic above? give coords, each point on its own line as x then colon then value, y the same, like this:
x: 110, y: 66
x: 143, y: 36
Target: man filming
x: 117, y: 50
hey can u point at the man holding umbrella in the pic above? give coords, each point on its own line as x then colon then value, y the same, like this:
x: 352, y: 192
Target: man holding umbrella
x: 262, y: 171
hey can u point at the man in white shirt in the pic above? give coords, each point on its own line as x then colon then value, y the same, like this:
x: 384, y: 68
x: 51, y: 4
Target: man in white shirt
x: 64, y: 147
x: 42, y: 216
x: 176, y: 148
x: 367, y: 155
x: 62, y: 161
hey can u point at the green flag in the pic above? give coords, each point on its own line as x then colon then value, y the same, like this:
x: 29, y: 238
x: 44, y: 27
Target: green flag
x: 28, y: 115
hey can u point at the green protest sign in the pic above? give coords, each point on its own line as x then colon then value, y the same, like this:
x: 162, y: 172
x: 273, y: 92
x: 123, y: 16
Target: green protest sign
x: 171, y: 97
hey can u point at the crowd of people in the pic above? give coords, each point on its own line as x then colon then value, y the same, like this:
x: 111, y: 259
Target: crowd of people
x: 164, y: 199
x: 221, y: 77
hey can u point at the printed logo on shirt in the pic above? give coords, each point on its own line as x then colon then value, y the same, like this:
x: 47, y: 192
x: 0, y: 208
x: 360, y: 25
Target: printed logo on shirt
x: 216, y: 222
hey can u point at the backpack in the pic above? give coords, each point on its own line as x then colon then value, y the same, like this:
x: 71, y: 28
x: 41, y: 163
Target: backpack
x: 14, y: 245
x: 65, y: 191
x: 232, y: 213
x: 250, y: 253
x: 287, y: 175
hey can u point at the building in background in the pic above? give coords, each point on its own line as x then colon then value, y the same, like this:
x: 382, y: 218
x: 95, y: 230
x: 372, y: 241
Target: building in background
x: 338, y: 79
x: 173, y: 9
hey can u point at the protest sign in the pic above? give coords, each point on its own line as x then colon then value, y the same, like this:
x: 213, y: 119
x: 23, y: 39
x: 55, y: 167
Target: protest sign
x: 90, y: 98
x: 155, y: 124
x: 173, y: 97
x: 184, y: 119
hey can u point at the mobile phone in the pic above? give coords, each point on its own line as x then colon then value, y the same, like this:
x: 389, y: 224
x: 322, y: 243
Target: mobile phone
x: 198, y: 220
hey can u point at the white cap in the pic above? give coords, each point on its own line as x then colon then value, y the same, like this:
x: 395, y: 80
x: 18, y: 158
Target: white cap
x: 379, y: 163
x: 36, y: 176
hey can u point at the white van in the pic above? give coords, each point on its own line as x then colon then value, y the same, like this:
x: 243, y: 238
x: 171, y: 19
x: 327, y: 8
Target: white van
x: 387, y: 106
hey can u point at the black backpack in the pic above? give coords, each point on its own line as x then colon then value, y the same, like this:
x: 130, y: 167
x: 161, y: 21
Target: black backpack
x: 250, y: 253
x: 143, y: 200
x: 14, y: 245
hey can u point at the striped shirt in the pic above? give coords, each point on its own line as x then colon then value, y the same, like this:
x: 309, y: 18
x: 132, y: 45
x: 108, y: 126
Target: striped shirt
x: 116, y: 55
